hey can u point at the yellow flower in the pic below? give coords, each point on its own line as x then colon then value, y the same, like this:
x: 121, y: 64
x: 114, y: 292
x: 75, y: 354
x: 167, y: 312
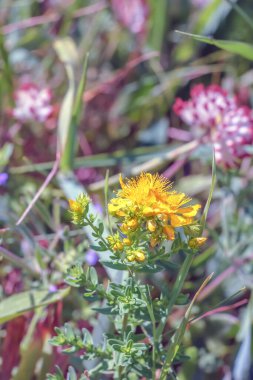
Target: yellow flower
x: 139, y: 256
x: 127, y: 242
x: 149, y: 199
x: 197, y: 242
x: 115, y: 242
x: 78, y: 208
x: 136, y: 255
x: 151, y: 225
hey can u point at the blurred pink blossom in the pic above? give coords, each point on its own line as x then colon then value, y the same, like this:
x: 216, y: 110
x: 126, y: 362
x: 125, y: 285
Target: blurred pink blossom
x: 234, y: 132
x: 226, y: 124
x: 32, y: 103
x: 205, y: 107
x: 132, y: 14
x: 200, y: 3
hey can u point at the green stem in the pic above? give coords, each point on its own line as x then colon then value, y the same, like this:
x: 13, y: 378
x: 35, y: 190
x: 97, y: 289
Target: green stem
x: 7, y: 77
x: 148, y: 300
x: 20, y: 262
x: 95, y: 229
x: 241, y: 13
x: 124, y: 327
x: 124, y: 324
x: 176, y: 290
x: 154, y: 352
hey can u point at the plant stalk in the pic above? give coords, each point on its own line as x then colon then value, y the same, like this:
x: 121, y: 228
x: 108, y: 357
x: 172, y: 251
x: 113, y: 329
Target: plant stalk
x: 176, y: 290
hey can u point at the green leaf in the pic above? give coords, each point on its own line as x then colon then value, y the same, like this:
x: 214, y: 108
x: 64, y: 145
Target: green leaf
x: 159, y: 23
x: 5, y: 153
x: 206, y: 16
x: 93, y: 276
x: 66, y: 110
x: 57, y: 376
x: 20, y: 303
x: 7, y: 77
x: 235, y: 47
x: 77, y: 111
x: 113, y: 265
x: 208, y: 202
x: 104, y: 310
x: 149, y: 268
x: 98, y: 248
x: 66, y: 50
x: 67, y: 53
x: 71, y: 374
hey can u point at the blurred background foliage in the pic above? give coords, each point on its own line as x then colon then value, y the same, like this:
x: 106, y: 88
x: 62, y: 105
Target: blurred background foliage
x: 116, y: 115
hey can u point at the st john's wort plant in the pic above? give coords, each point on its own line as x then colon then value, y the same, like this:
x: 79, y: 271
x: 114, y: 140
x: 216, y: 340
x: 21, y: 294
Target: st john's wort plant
x: 148, y: 215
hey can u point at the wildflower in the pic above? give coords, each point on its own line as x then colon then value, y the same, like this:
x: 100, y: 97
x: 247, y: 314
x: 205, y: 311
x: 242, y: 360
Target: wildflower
x: 32, y: 103
x: 206, y: 106
x: 227, y: 125
x: 91, y: 257
x: 79, y: 208
x: 150, y: 202
x: 197, y: 242
x: 132, y: 14
x: 233, y: 135
x: 3, y: 178
x: 127, y: 242
x: 115, y: 242
x: 151, y: 225
x: 136, y: 255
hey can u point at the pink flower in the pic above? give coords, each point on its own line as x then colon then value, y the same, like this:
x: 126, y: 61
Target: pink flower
x: 227, y: 125
x: 233, y: 133
x: 200, y: 3
x: 132, y: 14
x: 32, y: 103
x: 205, y: 107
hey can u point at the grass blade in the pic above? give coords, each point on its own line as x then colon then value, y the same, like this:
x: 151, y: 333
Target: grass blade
x: 235, y: 47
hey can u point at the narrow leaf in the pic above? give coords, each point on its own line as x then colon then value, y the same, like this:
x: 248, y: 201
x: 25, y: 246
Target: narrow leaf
x: 235, y: 47
x: 208, y: 202
x: 20, y: 303
x: 177, y: 338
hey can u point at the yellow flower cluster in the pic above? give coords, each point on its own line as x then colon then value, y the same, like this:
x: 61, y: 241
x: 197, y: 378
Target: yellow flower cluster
x: 78, y: 208
x: 147, y: 202
x: 119, y: 245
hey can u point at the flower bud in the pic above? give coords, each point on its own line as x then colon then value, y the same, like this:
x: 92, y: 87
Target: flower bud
x: 139, y: 256
x: 79, y: 208
x: 153, y: 242
x: 127, y: 242
x: 118, y: 246
x: 124, y: 228
x: 131, y: 258
x: 132, y: 224
x: 151, y: 225
x: 196, y: 243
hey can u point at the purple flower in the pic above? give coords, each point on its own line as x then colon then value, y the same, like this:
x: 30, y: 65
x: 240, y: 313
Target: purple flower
x: 52, y: 288
x: 91, y: 257
x: 3, y: 178
x: 98, y: 207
